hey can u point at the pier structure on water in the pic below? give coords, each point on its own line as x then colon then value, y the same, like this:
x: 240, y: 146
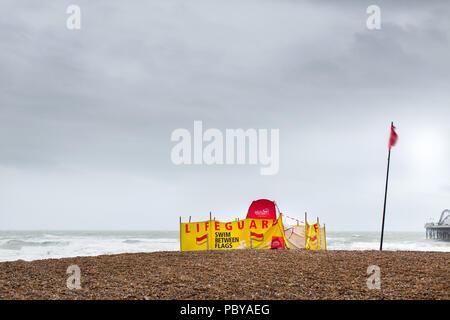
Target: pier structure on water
x: 440, y: 230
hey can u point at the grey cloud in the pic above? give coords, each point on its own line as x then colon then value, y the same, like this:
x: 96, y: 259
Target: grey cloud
x: 87, y: 115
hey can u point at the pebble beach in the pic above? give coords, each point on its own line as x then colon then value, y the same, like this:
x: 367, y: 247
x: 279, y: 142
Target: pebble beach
x: 233, y: 274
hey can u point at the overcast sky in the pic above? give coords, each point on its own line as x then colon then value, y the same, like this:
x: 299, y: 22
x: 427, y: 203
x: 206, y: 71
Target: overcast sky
x: 86, y: 115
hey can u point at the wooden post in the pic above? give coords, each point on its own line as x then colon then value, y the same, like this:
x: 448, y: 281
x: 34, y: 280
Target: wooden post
x: 251, y: 247
x: 207, y: 241
x: 306, y: 223
x: 325, y: 235
x: 189, y: 219
x: 210, y: 215
x: 317, y: 219
x: 180, y: 233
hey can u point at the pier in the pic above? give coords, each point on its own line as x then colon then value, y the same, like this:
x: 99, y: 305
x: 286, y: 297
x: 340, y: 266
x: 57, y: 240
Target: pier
x: 440, y: 230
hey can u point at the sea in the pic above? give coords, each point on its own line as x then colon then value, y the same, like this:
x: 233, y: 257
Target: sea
x: 35, y: 245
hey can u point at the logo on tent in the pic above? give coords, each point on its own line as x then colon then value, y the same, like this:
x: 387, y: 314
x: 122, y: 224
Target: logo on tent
x: 262, y: 212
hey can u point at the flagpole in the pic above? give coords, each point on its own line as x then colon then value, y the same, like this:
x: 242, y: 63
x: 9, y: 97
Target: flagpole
x: 385, y: 194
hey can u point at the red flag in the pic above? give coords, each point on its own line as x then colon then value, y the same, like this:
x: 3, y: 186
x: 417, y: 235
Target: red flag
x: 393, y: 138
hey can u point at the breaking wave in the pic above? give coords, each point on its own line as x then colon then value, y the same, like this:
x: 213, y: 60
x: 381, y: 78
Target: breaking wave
x: 131, y: 241
x: 34, y: 245
x: 19, y: 244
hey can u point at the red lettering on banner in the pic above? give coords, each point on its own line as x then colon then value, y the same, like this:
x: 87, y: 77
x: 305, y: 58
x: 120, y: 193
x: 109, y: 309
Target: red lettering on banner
x: 265, y: 224
x: 241, y: 226
x: 198, y: 228
x: 187, y: 230
x: 217, y: 225
x: 229, y: 226
x: 206, y: 226
x: 253, y: 224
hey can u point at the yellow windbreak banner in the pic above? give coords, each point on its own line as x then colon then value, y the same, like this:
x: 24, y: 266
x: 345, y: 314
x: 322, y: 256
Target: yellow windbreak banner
x: 242, y: 234
x: 312, y: 237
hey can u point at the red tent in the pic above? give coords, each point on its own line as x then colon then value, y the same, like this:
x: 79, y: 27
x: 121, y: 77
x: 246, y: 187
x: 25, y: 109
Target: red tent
x: 263, y: 209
